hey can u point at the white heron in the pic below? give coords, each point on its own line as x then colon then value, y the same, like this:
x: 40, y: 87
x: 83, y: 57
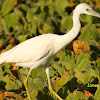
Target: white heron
x: 37, y: 51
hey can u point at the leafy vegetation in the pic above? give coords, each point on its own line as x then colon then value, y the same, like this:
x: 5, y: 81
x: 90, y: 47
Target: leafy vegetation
x: 75, y: 71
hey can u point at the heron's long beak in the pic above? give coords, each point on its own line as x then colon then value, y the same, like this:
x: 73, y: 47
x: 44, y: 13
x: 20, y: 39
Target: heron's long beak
x: 94, y: 13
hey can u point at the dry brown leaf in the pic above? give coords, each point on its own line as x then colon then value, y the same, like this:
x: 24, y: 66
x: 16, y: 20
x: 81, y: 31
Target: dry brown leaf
x: 1, y: 95
x: 0, y: 46
x: 86, y: 93
x: 14, y: 70
x: 12, y: 40
x: 66, y: 72
x: 80, y: 46
x: 12, y: 78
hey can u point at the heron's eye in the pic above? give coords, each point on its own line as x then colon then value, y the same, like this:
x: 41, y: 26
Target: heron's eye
x: 87, y: 9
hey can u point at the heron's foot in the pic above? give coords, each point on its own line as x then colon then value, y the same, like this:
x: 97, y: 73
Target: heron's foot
x: 54, y: 93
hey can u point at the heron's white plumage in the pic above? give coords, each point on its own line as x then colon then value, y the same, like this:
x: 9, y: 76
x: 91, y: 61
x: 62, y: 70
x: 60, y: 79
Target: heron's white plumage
x: 31, y: 50
x: 38, y: 50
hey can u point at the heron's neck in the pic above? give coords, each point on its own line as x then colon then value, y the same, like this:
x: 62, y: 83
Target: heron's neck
x: 68, y: 37
x: 75, y: 29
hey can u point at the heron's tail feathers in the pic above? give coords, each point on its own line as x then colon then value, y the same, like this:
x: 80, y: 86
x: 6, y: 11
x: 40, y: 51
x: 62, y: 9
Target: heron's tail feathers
x: 3, y: 57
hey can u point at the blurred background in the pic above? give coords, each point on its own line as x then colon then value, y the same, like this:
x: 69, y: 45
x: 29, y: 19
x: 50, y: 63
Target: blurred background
x: 73, y: 69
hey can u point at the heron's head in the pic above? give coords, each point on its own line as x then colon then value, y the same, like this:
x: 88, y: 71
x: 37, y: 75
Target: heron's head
x: 84, y: 8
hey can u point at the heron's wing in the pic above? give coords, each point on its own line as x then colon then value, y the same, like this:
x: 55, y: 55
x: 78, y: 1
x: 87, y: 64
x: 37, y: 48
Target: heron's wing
x: 44, y: 55
x: 30, y: 50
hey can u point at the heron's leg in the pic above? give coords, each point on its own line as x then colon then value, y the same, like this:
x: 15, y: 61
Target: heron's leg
x: 25, y: 84
x: 49, y: 83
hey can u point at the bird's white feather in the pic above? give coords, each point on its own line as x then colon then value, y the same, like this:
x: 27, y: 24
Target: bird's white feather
x: 30, y: 50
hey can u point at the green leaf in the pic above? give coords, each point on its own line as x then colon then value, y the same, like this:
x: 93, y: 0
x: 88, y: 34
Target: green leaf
x: 22, y: 73
x: 1, y: 71
x: 7, y: 6
x: 88, y: 19
x: 34, y: 94
x: 38, y: 73
x: 29, y: 15
x: 39, y: 84
x: 23, y: 6
x: 22, y: 38
x: 98, y: 63
x: 66, y: 23
x: 12, y: 86
x: 79, y: 95
x: 60, y: 5
x: 9, y: 47
x: 93, y: 72
x: 97, y: 94
x: 83, y: 77
x: 42, y: 16
x: 57, y: 84
x: 6, y: 79
x: 66, y: 60
x: 66, y: 56
x: 2, y: 41
x: 89, y: 33
x: 59, y: 68
x: 80, y: 57
x: 7, y: 68
x: 11, y: 20
x: 67, y: 65
x: 70, y: 97
x: 82, y: 62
